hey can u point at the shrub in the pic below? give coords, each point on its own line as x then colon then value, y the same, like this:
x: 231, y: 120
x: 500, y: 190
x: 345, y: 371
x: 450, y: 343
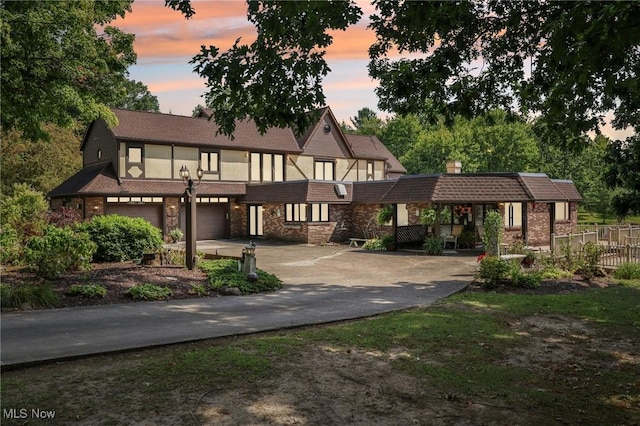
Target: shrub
x: 493, y: 232
x: 433, y: 245
x: 122, y: 238
x: 149, y: 292
x: 552, y: 272
x: 590, y: 260
x: 198, y: 289
x: 36, y: 296
x: 65, y: 216
x: 467, y: 239
x: 627, y: 271
x: 493, y: 271
x: 92, y: 291
x: 58, y: 251
x: 25, y: 211
x: 526, y: 280
x: 379, y: 244
x: 10, y: 247
x: 224, y: 273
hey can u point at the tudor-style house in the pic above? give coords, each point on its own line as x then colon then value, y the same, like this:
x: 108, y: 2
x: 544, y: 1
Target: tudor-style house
x: 321, y: 186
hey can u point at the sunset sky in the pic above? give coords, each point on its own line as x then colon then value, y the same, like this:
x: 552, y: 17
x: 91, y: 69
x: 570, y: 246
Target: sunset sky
x: 165, y: 42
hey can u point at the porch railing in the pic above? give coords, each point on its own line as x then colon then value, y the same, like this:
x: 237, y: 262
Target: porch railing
x: 613, y: 234
x: 615, y: 256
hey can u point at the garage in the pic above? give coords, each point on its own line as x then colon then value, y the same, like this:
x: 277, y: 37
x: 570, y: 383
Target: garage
x: 150, y: 212
x: 211, y: 221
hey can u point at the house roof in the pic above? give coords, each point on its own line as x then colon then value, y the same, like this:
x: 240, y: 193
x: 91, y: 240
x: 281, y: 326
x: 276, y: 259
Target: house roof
x: 371, y: 191
x: 365, y: 146
x: 568, y: 188
x: 480, y: 187
x: 154, y: 127
x: 101, y: 180
x: 303, y: 191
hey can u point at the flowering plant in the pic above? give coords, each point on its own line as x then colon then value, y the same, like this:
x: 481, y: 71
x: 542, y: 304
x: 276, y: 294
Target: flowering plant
x: 482, y: 256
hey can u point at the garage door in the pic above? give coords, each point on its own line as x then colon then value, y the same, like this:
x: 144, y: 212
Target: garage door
x: 150, y: 212
x: 210, y: 221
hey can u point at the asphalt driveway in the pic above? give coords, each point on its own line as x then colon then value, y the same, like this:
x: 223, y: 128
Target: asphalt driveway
x: 321, y: 284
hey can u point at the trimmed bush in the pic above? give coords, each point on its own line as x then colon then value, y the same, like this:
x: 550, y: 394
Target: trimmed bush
x: 29, y: 295
x: 10, y: 247
x: 379, y: 244
x: 121, y: 238
x: 58, y: 251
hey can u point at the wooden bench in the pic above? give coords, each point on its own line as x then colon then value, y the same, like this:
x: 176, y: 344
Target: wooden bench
x: 353, y: 242
x: 516, y: 258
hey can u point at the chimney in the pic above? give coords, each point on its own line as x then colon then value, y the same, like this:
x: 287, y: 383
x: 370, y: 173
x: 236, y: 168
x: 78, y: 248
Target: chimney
x: 454, y: 166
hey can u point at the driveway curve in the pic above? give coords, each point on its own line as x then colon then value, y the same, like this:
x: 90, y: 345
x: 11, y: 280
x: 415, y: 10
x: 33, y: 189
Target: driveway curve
x: 321, y: 284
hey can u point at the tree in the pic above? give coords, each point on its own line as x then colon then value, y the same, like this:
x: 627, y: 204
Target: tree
x: 400, y: 133
x: 42, y: 166
x: 60, y: 62
x: 493, y: 142
x: 135, y: 95
x: 623, y: 158
x: 364, y: 116
x: 567, y: 62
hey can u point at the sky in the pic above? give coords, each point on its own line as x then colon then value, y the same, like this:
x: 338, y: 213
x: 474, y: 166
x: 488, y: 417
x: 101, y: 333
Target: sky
x: 165, y: 42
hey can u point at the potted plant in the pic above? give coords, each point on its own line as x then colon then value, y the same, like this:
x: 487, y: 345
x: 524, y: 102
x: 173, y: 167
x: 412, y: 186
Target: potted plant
x: 175, y: 235
x: 428, y: 217
x: 530, y: 258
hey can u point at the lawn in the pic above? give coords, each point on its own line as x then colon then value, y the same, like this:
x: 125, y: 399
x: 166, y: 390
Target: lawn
x: 474, y: 358
x: 589, y: 218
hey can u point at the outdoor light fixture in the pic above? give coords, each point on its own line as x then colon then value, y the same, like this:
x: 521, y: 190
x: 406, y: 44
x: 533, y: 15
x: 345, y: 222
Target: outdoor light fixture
x: 191, y: 202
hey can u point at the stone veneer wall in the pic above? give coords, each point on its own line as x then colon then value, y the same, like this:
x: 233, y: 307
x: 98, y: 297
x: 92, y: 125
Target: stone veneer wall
x: 93, y: 206
x: 569, y: 226
x: 274, y: 226
x: 364, y: 217
x: 238, y: 220
x: 539, y: 224
x: 171, y: 210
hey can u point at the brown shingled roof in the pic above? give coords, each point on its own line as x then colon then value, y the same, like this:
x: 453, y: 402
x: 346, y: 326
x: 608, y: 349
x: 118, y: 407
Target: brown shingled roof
x: 568, y: 188
x: 101, y: 180
x: 365, y: 146
x: 541, y: 188
x: 303, y: 191
x: 372, y: 191
x: 199, y: 131
x: 489, y: 188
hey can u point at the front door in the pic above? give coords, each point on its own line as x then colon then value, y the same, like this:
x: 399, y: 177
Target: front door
x: 255, y: 221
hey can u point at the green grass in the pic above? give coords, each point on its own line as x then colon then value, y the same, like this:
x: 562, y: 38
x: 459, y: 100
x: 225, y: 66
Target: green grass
x: 473, y: 349
x: 588, y: 218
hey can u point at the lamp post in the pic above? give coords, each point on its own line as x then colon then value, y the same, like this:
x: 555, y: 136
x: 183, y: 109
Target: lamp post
x: 190, y: 201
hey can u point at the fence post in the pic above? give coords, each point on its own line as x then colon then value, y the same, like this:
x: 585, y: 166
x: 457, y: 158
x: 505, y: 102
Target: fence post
x: 627, y: 253
x: 553, y: 243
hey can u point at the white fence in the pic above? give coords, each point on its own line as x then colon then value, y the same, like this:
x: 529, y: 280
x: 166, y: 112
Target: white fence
x: 614, y: 234
x: 619, y: 244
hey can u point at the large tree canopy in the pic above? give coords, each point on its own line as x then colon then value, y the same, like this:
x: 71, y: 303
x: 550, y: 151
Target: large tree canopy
x: 60, y: 63
x: 623, y: 158
x: 567, y: 62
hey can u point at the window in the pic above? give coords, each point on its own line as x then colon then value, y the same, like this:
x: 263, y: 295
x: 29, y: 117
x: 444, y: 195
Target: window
x: 562, y: 211
x: 513, y: 215
x: 267, y: 167
x: 134, y: 154
x: 370, y: 170
x: 324, y: 170
x: 319, y: 213
x: 209, y: 161
x: 295, y: 213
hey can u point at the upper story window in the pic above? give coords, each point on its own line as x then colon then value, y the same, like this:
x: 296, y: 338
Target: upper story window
x: 371, y: 170
x: 266, y: 167
x: 209, y: 161
x: 134, y: 161
x: 324, y: 170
